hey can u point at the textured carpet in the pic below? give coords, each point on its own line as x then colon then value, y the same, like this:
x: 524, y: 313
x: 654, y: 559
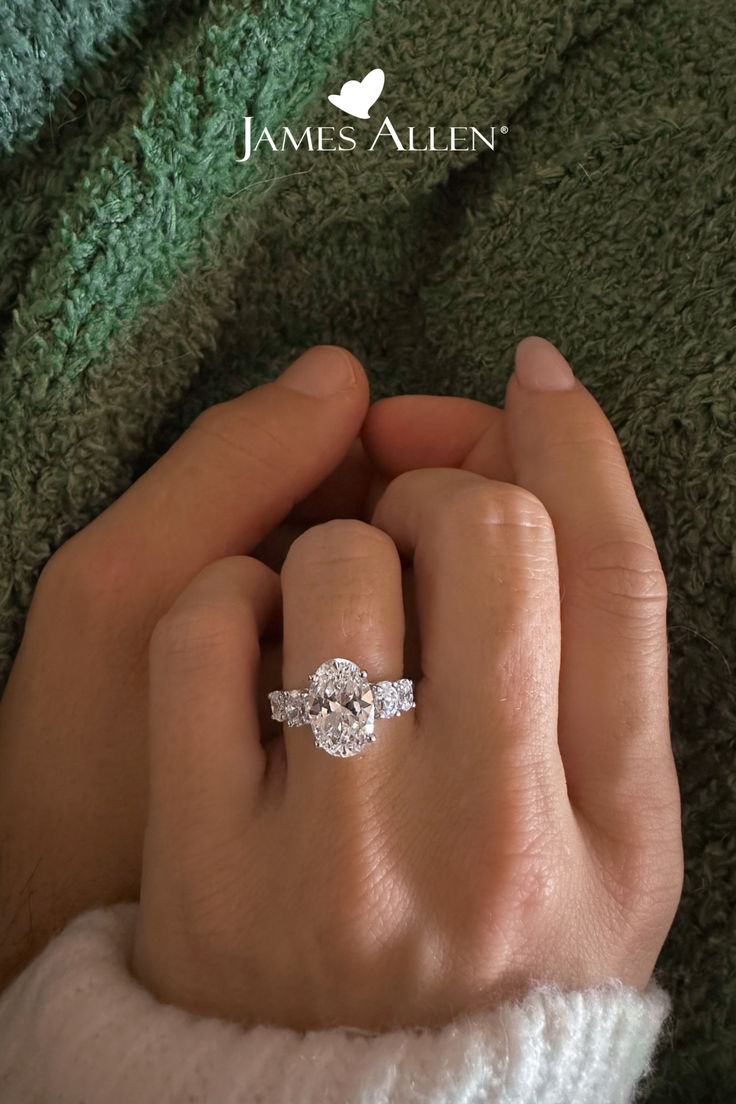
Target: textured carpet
x: 146, y: 274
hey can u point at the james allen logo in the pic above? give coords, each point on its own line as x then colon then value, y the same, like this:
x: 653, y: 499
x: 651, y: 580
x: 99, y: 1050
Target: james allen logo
x: 356, y: 98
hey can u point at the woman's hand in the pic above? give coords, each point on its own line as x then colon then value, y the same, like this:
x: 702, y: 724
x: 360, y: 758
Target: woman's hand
x: 73, y: 748
x: 521, y: 824
x: 73, y: 754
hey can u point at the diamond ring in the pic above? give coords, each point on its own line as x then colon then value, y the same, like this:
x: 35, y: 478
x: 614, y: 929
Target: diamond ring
x: 340, y: 705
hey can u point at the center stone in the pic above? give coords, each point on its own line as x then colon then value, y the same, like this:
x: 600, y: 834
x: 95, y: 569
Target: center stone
x: 340, y: 707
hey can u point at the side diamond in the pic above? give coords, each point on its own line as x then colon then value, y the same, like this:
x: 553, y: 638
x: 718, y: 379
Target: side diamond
x: 276, y: 698
x: 294, y: 708
x: 405, y: 694
x: 386, y: 699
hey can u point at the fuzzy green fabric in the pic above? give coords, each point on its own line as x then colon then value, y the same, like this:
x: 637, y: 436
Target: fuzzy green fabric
x: 146, y: 273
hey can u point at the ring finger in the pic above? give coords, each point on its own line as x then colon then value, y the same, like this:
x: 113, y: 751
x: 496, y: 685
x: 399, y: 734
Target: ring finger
x: 342, y: 597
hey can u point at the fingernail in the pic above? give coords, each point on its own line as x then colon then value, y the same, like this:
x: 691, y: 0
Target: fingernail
x: 539, y: 366
x: 322, y: 370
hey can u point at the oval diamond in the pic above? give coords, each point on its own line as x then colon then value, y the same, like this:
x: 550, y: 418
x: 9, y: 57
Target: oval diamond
x: 340, y: 708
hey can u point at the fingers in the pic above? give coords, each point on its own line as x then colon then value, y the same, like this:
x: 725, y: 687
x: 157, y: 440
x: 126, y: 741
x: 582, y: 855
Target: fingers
x: 614, y: 733
x: 235, y: 473
x: 487, y: 595
x: 342, y: 597
x: 398, y: 434
x: 433, y: 431
x: 207, y: 764
x: 342, y: 493
x: 346, y: 492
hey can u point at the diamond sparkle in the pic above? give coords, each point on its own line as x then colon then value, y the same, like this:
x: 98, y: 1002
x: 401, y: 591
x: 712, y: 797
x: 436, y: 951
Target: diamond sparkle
x: 340, y: 708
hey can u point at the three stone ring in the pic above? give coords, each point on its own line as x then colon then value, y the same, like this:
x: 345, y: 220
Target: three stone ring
x: 341, y: 705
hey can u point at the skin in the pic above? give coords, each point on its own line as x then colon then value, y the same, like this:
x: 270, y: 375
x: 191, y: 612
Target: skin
x: 247, y: 477
x: 502, y: 552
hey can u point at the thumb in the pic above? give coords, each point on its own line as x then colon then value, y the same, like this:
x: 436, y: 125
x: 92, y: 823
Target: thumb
x: 231, y: 477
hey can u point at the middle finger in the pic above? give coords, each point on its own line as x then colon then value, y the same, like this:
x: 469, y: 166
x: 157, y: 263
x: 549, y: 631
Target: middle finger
x: 487, y: 595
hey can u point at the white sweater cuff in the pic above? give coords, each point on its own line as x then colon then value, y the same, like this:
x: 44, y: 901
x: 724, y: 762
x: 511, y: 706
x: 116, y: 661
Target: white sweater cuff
x: 76, y: 1026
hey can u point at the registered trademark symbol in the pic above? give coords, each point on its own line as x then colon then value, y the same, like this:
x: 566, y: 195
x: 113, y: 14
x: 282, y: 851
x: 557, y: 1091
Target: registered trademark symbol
x: 504, y: 130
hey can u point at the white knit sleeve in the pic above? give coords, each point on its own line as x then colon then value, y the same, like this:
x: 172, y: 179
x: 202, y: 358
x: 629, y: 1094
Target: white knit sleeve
x: 76, y: 1026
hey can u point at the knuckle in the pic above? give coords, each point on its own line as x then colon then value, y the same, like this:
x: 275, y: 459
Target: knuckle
x: 54, y: 574
x: 231, y: 427
x: 495, y: 505
x: 660, y: 869
x: 229, y: 575
x: 646, y: 890
x: 643, y: 873
x: 532, y: 877
x: 625, y: 577
x: 361, y: 890
x: 406, y: 483
x: 342, y: 540
x: 216, y: 421
x: 189, y: 630
x: 93, y: 574
x: 519, y: 888
x: 503, y: 519
x: 663, y: 888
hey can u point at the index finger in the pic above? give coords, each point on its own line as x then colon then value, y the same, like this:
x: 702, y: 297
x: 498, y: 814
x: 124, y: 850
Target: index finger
x: 613, y: 700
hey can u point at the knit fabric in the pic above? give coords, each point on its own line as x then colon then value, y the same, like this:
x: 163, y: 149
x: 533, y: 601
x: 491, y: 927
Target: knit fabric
x: 146, y: 274
x: 45, y: 47
x: 77, y: 1026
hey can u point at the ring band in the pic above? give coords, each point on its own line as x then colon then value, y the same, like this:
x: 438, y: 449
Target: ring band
x: 341, y: 705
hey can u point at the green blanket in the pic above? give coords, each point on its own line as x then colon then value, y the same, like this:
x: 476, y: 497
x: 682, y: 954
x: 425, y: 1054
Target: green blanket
x: 147, y: 272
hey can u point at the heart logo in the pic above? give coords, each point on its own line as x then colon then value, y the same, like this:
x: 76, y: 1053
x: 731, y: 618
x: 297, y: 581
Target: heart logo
x: 356, y: 97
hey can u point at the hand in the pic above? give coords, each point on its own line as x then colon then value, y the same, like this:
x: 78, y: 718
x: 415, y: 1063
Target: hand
x: 521, y: 824
x: 73, y: 750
